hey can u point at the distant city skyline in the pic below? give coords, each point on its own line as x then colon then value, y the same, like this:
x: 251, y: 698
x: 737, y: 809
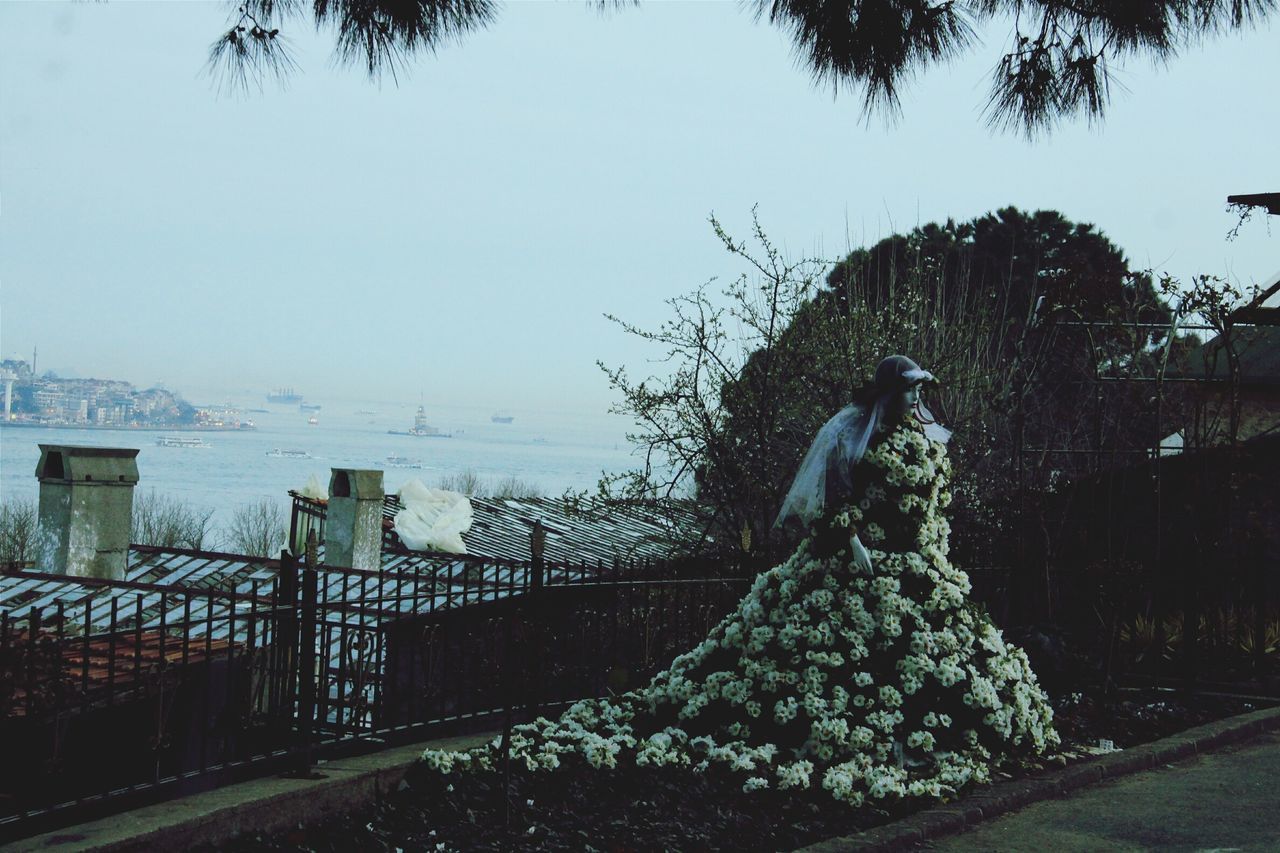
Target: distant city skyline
x: 460, y: 236
x: 243, y: 399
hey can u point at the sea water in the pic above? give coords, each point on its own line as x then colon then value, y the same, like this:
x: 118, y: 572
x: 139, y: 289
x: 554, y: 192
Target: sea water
x: 552, y: 451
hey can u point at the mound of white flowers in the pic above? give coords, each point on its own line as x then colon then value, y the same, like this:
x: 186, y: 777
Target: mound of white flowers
x: 873, y: 686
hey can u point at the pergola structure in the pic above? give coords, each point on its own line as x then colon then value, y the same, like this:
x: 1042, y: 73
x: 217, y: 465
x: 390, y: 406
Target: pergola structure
x: 1270, y: 201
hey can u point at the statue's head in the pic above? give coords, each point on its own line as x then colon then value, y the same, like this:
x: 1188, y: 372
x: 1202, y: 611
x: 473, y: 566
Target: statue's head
x: 898, y: 380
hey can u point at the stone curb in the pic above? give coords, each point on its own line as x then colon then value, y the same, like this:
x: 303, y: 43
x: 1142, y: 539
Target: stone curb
x: 277, y: 805
x: 266, y: 806
x: 992, y: 800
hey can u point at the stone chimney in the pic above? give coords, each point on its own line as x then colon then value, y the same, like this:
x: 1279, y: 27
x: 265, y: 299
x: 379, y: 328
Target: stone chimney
x: 86, y: 506
x: 353, y: 527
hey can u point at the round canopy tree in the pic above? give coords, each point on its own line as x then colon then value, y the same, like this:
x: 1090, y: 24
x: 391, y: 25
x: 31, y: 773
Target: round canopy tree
x: 1017, y: 313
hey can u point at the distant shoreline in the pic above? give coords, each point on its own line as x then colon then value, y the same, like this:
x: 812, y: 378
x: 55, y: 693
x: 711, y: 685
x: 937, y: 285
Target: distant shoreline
x: 25, y: 425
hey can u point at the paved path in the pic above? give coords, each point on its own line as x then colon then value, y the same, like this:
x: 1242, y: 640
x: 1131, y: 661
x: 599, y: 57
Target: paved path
x: 1225, y: 800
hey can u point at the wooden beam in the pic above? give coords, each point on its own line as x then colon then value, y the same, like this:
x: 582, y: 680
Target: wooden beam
x: 1271, y: 201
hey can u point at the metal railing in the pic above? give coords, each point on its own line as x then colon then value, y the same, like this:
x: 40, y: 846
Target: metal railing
x: 136, y: 688
x: 138, y: 691
x: 115, y: 692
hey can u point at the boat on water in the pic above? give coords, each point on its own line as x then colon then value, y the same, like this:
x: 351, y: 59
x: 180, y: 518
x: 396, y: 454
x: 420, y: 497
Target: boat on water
x: 308, y: 407
x: 420, y: 428
x: 289, y: 454
x: 500, y: 418
x: 284, y: 396
x: 181, y: 441
x: 365, y: 412
x: 404, y: 462
x: 313, y: 420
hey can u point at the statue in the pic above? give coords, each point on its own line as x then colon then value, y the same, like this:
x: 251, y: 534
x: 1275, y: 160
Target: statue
x: 857, y: 666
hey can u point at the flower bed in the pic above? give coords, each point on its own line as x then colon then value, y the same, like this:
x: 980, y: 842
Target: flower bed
x: 873, y: 679
x: 656, y: 808
x: 848, y: 688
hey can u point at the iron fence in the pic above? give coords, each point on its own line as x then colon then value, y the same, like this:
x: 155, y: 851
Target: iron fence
x: 558, y: 644
x: 136, y: 687
x: 1121, y: 621
x: 136, y: 691
x: 112, y: 692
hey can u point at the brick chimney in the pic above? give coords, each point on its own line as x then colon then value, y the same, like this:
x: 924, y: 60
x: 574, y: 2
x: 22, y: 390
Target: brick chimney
x: 353, y: 527
x: 86, y: 506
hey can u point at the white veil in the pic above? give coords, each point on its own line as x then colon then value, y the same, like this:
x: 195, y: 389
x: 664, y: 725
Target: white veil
x: 843, y: 440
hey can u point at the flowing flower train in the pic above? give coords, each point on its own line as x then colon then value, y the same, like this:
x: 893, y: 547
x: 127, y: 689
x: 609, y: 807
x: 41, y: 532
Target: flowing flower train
x: 874, y: 686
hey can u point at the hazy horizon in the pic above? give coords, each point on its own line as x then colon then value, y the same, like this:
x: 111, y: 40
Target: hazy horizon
x: 460, y: 236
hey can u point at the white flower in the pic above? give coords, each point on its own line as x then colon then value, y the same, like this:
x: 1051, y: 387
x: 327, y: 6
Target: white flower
x: 890, y: 697
x: 790, y: 640
x: 794, y: 775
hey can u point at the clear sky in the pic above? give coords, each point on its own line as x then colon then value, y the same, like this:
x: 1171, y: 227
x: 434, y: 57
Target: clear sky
x: 462, y: 233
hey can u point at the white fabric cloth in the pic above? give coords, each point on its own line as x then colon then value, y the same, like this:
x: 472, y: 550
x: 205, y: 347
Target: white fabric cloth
x: 314, y: 490
x: 843, y: 440
x: 934, y: 430
x: 835, y: 450
x: 432, y: 519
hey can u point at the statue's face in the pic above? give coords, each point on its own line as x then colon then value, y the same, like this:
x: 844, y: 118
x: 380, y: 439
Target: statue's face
x: 902, y: 403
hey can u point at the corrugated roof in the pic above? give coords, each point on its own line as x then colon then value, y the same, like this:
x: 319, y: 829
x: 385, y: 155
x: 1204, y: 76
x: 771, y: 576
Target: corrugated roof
x: 116, y: 664
x: 1256, y: 347
x: 160, y: 587
x: 591, y: 532
x: 1255, y: 340
x: 209, y: 600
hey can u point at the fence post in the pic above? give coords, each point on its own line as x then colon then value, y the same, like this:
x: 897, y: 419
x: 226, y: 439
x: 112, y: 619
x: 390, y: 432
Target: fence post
x: 293, y: 523
x: 508, y: 692
x: 535, y: 603
x: 527, y: 611
x: 302, y: 761
x: 33, y: 654
x: 286, y: 637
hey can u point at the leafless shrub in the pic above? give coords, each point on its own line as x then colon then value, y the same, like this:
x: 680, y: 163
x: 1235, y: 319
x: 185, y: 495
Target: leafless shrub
x: 514, y: 487
x: 471, y: 484
x: 257, y: 529
x: 17, y: 530
x: 466, y: 482
x: 169, y: 522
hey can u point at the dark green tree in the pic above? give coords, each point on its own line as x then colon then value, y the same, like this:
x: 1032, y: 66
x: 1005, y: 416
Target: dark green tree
x: 1023, y: 316
x: 1058, y: 64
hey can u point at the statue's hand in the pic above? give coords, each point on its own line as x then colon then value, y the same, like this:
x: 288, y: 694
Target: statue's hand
x: 861, y: 559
